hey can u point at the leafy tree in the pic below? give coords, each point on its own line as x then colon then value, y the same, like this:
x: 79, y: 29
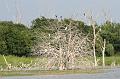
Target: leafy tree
x: 15, y: 39
x: 111, y: 32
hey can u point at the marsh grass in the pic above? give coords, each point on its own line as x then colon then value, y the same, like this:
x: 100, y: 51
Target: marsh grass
x: 26, y: 60
x: 51, y: 72
x: 110, y: 60
x: 14, y: 60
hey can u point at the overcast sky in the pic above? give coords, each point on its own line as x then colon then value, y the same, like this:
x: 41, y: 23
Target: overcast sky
x: 30, y: 9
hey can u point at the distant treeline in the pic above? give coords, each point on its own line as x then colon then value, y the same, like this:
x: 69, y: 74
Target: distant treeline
x: 19, y: 40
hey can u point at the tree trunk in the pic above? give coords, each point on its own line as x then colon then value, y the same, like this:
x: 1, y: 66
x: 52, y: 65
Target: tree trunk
x: 94, y: 42
x: 103, y: 54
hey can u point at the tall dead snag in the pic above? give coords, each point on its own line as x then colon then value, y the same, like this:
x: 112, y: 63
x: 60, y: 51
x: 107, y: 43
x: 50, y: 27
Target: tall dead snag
x: 102, y: 45
x: 93, y: 24
x: 103, y: 53
x: 67, y: 48
x: 18, y: 14
x: 94, y: 43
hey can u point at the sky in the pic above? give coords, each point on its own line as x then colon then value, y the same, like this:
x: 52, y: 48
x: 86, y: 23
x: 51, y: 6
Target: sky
x: 28, y: 10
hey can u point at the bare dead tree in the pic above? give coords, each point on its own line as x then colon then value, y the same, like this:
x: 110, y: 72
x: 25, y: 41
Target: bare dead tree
x: 18, y: 14
x: 93, y: 24
x: 103, y: 52
x: 67, y: 48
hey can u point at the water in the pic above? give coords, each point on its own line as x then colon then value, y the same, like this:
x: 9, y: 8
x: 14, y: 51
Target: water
x: 108, y: 74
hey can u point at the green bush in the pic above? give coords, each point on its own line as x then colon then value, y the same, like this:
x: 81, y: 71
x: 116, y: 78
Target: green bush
x: 109, y: 50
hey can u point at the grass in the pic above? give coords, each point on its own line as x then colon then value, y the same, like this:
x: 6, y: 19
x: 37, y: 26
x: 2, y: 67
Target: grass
x: 51, y: 72
x: 14, y: 60
x: 26, y: 60
x: 110, y: 60
x: 14, y: 73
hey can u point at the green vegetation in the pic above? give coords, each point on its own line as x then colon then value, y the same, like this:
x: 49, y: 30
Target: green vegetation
x: 111, y: 32
x: 26, y: 60
x: 14, y: 60
x: 15, y: 39
x: 110, y: 60
x: 52, y: 72
x: 15, y: 73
